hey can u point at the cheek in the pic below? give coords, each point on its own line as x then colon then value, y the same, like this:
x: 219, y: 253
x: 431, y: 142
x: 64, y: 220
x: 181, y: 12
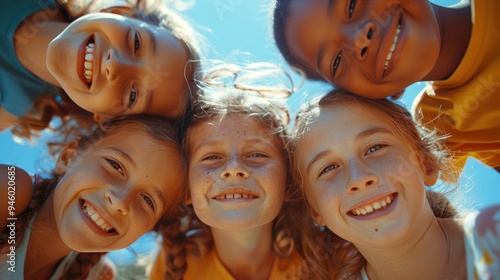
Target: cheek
x: 200, y: 181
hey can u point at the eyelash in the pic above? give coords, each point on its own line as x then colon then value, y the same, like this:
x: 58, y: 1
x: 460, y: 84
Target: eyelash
x: 149, y: 201
x: 137, y: 43
x: 211, y: 157
x: 115, y: 165
x: 132, y: 97
x: 352, y: 5
x: 336, y: 64
x: 255, y: 155
x: 375, y: 148
x: 328, y: 169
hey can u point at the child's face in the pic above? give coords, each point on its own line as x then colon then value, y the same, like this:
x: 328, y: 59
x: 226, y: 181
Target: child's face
x: 237, y: 174
x: 349, y: 42
x: 114, y: 65
x: 116, y: 190
x: 361, y: 177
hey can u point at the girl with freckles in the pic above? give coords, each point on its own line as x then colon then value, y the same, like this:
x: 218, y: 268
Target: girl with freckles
x: 243, y: 226
x: 105, y: 192
x: 364, y: 166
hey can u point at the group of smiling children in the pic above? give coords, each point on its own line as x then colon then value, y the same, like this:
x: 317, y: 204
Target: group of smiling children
x: 206, y: 157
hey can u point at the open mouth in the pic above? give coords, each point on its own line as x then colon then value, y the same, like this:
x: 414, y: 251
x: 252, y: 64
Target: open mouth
x: 238, y: 193
x: 373, y: 207
x: 234, y: 196
x: 88, y: 62
x: 96, y: 218
x: 393, y: 47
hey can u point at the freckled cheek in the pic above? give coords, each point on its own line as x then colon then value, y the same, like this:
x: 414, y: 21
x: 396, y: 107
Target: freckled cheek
x: 199, y: 185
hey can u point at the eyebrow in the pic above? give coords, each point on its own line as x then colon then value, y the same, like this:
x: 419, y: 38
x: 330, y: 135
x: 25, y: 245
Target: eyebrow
x: 322, y: 48
x: 321, y: 54
x: 330, y: 6
x: 160, y: 196
x: 152, y: 41
x: 124, y: 155
x: 362, y: 135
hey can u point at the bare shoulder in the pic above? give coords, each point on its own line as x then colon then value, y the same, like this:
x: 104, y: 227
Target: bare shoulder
x: 15, y: 192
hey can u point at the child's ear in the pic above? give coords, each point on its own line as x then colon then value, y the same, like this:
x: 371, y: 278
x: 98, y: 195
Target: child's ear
x: 317, y: 218
x: 66, y: 156
x: 100, y: 118
x: 125, y: 11
x: 431, y: 177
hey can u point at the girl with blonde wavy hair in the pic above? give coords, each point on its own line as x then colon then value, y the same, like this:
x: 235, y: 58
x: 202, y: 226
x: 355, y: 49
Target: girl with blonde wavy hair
x: 244, y: 224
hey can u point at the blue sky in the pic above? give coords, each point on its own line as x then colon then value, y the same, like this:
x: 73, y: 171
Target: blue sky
x: 244, y: 26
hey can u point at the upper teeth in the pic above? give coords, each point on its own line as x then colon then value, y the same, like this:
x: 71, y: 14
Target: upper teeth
x: 389, y: 55
x: 87, y: 65
x: 236, y: 195
x: 96, y: 217
x: 365, y: 209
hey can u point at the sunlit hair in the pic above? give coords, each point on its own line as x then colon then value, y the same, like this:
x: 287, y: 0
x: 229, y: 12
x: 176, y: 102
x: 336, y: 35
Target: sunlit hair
x: 346, y: 261
x: 280, y: 17
x: 259, y: 91
x: 72, y: 117
x: 158, y: 128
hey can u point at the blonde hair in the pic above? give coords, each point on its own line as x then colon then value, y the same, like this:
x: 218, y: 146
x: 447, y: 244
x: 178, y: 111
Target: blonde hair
x: 345, y: 260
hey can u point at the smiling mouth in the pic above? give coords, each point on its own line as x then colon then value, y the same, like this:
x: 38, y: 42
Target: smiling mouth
x: 236, y: 193
x: 235, y: 196
x: 88, y: 61
x: 96, y: 218
x: 373, y: 207
x: 393, y: 47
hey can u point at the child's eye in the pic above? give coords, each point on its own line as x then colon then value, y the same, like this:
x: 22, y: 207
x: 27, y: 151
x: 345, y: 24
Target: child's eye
x: 375, y: 148
x: 137, y: 43
x: 328, y: 169
x: 335, y: 64
x: 148, y: 201
x: 132, y: 97
x: 115, y: 165
x: 211, y: 157
x: 352, y: 5
x: 257, y: 155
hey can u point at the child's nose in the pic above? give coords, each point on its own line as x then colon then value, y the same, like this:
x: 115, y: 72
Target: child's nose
x: 234, y: 169
x: 363, y: 40
x: 115, y: 64
x: 119, y: 202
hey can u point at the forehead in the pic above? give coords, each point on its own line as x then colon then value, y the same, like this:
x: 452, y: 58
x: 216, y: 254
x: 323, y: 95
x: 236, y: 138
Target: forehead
x: 232, y: 128
x: 343, y: 121
x: 306, y: 28
x: 165, y: 76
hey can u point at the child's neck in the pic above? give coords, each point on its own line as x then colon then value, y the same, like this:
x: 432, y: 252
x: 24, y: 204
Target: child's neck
x: 455, y: 26
x: 246, y: 255
x: 32, y: 40
x: 437, y: 254
x: 45, y: 247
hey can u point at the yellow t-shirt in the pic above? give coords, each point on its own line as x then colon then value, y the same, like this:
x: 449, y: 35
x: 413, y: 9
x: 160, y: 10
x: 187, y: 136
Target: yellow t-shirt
x: 466, y: 106
x: 210, y: 267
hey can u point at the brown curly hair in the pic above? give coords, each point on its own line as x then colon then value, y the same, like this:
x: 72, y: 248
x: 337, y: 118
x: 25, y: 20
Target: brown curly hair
x: 159, y: 128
